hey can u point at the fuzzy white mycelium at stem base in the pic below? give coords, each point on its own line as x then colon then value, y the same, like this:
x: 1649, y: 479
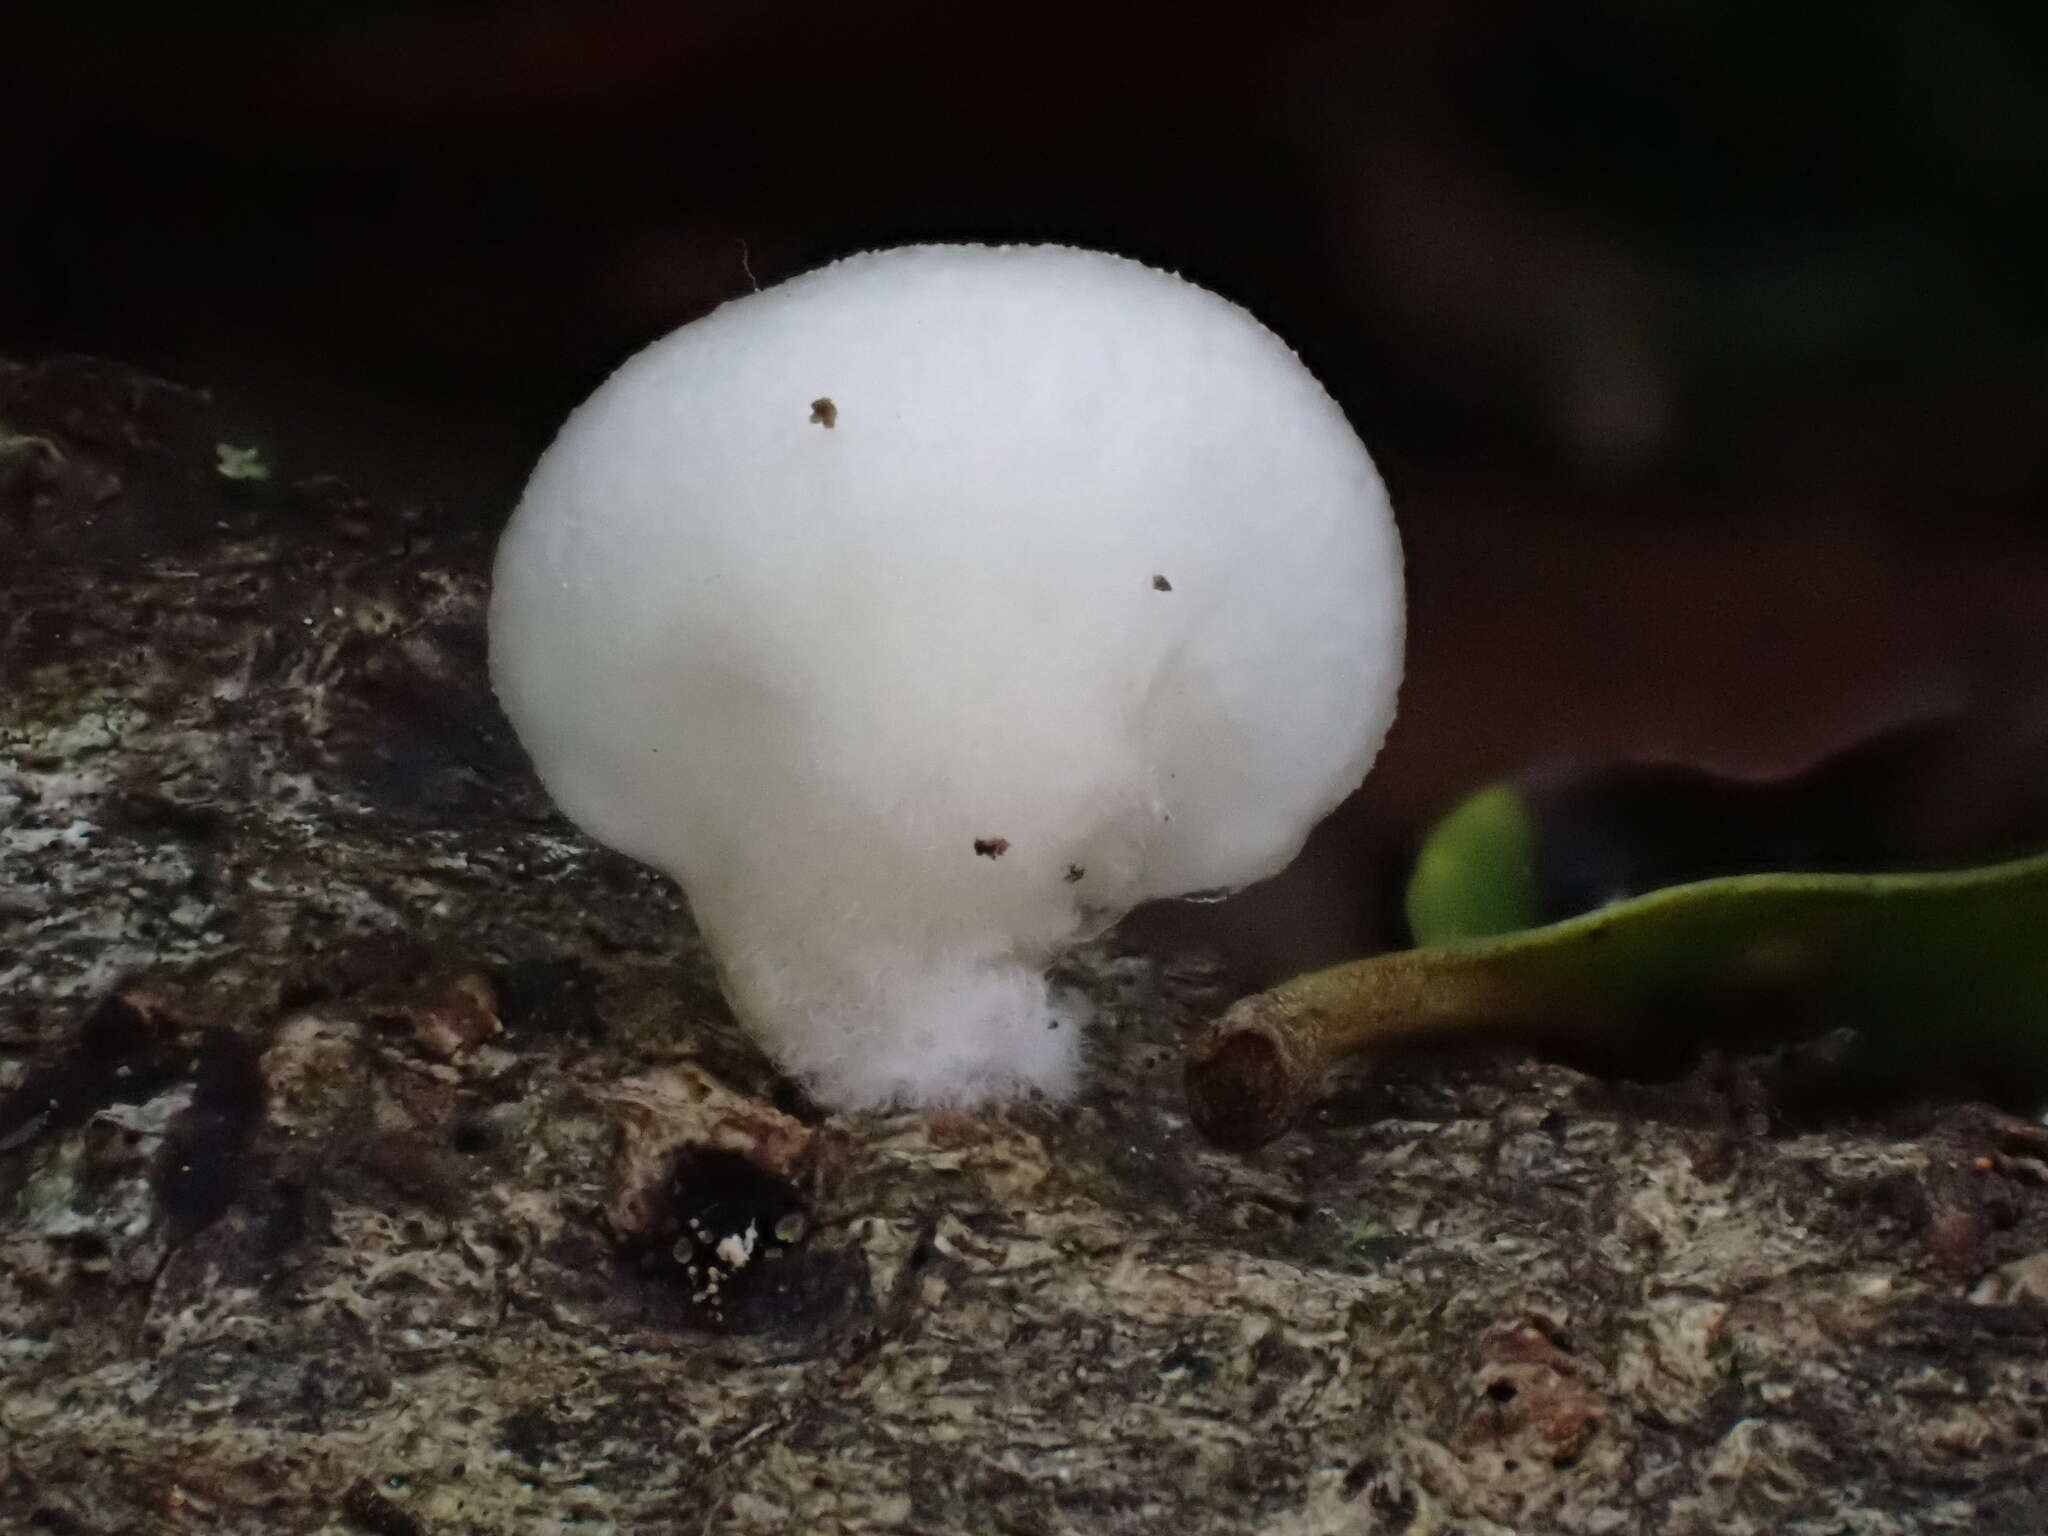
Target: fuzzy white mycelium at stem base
x: 924, y: 613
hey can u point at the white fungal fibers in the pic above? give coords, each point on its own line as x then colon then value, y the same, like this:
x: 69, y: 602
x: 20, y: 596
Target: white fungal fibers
x: 1081, y: 592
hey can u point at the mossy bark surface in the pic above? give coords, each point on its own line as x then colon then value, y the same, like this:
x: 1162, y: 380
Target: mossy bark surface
x: 355, y: 1112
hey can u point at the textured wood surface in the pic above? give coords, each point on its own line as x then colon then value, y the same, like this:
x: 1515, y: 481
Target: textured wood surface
x: 356, y: 1114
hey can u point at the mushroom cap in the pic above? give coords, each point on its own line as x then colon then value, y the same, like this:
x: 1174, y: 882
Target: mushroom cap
x: 924, y: 613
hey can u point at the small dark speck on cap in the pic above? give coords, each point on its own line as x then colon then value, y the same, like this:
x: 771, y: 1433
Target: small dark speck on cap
x: 824, y: 412
x: 1161, y: 584
x: 991, y: 847
x: 1074, y: 873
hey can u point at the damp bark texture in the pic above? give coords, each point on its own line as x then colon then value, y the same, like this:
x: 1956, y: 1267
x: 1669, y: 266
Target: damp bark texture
x: 376, y: 1155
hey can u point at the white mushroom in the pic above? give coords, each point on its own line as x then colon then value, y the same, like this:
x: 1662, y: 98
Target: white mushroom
x: 924, y: 613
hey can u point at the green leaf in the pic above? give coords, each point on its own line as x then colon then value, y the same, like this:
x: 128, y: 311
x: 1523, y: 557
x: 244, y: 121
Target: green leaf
x: 1475, y: 874
x: 1938, y: 977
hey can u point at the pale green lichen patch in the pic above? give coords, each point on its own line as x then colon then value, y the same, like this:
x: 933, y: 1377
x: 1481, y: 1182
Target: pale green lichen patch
x: 12, y: 442
x: 235, y: 463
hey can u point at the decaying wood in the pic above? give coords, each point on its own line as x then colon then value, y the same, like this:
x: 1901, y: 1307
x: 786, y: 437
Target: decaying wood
x: 378, y: 1157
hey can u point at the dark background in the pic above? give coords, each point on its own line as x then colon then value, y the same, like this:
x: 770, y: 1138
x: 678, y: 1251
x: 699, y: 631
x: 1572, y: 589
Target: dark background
x: 1702, y: 344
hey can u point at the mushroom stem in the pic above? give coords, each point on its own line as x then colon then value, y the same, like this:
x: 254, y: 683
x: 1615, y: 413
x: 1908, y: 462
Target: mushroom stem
x: 1953, y: 964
